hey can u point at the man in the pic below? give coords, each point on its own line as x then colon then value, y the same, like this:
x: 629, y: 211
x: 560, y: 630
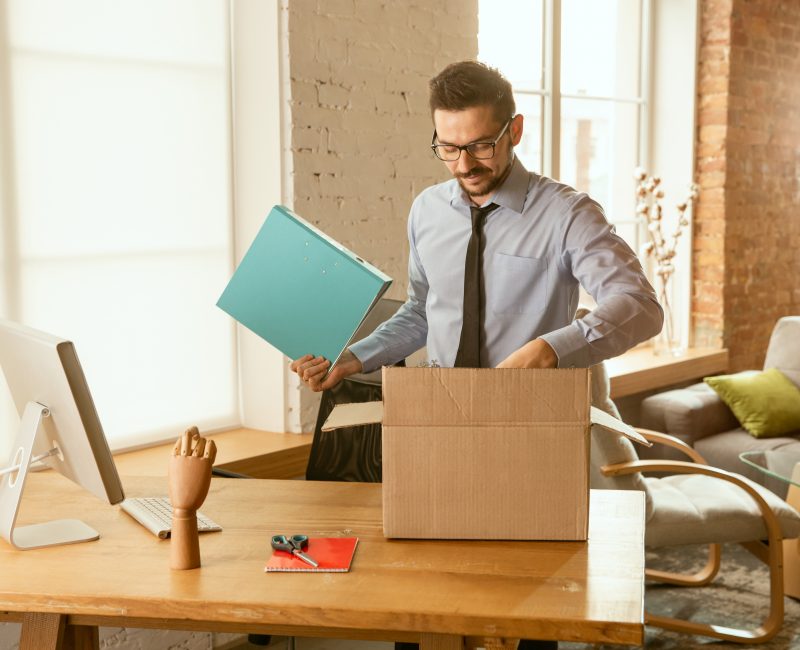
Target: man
x: 497, y: 255
x: 538, y: 242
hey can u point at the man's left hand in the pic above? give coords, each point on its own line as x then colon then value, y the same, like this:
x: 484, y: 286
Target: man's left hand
x: 535, y: 354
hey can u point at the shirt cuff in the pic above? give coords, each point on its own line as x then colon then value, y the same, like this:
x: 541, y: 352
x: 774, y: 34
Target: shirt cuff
x: 570, y: 346
x: 371, y: 354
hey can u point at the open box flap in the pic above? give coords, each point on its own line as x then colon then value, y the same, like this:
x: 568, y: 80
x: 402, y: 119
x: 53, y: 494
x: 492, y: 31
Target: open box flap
x: 361, y: 413
x: 610, y: 423
x: 354, y: 415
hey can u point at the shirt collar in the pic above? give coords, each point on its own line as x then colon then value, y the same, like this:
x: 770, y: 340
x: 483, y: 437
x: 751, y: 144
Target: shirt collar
x: 511, y: 193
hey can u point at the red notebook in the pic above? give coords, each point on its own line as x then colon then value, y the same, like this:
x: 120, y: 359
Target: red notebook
x: 331, y: 553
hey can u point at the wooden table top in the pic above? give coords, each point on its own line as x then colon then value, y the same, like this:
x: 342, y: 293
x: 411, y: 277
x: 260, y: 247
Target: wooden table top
x: 590, y: 591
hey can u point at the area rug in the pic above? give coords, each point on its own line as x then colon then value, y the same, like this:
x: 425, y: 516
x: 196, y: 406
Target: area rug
x: 738, y: 597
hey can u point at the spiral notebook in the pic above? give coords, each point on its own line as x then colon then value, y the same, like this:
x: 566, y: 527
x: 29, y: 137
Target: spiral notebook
x: 333, y: 554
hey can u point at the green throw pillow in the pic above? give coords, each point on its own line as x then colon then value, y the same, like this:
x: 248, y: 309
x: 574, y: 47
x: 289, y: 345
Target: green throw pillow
x: 765, y: 403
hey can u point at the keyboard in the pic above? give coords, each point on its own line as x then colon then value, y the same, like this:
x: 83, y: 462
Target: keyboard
x: 155, y: 514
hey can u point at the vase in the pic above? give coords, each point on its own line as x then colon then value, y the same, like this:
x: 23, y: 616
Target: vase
x: 668, y: 342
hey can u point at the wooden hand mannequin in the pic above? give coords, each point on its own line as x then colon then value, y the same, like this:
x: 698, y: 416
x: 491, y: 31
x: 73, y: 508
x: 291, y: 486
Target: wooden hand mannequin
x: 189, y: 480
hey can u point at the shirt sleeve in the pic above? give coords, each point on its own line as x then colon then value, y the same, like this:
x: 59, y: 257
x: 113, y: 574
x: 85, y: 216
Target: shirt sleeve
x: 627, y: 311
x: 406, y: 331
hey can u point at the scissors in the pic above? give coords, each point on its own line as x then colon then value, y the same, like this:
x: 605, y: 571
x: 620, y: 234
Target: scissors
x: 294, y: 544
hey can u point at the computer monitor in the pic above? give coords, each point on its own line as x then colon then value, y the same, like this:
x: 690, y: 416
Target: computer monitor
x: 59, y: 426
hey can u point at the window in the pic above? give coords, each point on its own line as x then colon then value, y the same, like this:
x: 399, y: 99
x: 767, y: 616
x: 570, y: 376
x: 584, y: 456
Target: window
x: 604, y: 87
x: 577, y: 68
x: 115, y: 202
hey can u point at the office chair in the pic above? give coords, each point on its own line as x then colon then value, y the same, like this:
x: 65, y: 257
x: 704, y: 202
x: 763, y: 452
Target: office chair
x: 351, y: 454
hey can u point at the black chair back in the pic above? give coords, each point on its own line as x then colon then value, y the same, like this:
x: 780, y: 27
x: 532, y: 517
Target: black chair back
x: 351, y: 454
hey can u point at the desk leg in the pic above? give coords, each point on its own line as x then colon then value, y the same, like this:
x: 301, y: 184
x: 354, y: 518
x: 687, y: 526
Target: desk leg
x: 81, y: 637
x: 441, y: 642
x: 51, y: 632
x: 42, y: 631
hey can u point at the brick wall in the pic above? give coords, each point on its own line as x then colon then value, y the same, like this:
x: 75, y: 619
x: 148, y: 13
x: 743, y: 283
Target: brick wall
x: 708, y: 242
x: 360, y: 124
x: 361, y: 127
x: 747, y: 222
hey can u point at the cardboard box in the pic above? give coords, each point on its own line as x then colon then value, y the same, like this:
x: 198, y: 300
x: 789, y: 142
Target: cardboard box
x: 484, y: 453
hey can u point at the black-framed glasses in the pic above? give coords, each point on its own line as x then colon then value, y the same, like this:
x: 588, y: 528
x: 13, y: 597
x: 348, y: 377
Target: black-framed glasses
x: 478, y: 150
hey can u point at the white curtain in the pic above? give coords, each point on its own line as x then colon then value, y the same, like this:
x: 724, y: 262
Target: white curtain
x: 116, y: 208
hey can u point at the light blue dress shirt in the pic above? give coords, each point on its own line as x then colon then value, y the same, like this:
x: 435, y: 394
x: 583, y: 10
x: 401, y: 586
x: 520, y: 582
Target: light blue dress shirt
x: 541, y: 243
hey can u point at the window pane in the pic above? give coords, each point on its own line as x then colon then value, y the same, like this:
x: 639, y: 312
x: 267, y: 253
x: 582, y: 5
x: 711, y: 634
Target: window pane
x: 123, y: 172
x: 600, y: 47
x: 178, y: 31
x: 529, y: 149
x: 599, y: 152
x: 122, y: 229
x: 155, y: 349
x: 504, y: 22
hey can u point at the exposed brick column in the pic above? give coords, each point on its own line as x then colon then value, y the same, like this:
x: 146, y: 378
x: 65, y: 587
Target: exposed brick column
x: 762, y: 243
x: 708, y: 247
x: 747, y: 222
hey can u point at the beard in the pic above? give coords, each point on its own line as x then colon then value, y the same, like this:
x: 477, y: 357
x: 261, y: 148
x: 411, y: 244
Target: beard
x: 488, y: 180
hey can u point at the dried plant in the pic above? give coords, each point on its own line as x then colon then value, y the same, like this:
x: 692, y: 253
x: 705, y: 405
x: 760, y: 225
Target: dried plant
x: 658, y: 246
x: 650, y: 210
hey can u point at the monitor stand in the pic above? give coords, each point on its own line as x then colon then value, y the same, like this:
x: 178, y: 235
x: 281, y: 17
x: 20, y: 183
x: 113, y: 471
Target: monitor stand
x: 12, y: 483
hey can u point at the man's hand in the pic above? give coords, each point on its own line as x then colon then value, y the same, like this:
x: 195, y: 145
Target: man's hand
x: 534, y: 354
x: 312, y: 369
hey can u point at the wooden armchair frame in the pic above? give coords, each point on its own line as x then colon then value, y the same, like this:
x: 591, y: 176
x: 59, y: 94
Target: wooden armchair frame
x: 770, y: 553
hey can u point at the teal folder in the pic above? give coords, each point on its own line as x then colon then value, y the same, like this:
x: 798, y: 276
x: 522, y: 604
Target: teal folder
x: 300, y: 290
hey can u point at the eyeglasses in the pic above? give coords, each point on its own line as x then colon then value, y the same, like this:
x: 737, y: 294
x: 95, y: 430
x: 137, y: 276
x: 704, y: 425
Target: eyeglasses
x: 478, y: 150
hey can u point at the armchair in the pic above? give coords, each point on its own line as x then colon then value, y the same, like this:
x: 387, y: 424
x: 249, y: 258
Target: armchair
x: 696, y: 504
x: 701, y: 419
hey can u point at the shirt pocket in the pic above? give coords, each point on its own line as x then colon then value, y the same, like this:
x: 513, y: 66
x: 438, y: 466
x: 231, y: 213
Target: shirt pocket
x: 517, y: 285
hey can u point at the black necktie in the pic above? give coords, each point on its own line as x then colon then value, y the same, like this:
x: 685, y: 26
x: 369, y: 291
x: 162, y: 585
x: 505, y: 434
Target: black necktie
x: 469, y: 347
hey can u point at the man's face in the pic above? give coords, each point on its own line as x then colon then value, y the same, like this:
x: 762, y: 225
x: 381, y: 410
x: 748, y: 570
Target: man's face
x: 478, y: 178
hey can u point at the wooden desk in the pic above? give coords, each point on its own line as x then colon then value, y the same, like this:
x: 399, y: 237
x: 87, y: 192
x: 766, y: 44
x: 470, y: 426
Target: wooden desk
x: 641, y: 370
x: 431, y: 591
x: 260, y: 454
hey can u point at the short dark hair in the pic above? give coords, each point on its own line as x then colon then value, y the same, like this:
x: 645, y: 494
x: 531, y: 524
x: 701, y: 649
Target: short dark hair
x: 471, y: 83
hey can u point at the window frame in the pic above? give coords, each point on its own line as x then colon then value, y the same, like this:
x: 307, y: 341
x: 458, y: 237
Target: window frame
x: 551, y: 96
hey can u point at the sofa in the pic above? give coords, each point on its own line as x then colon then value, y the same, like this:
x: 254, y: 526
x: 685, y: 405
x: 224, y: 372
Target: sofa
x: 698, y: 416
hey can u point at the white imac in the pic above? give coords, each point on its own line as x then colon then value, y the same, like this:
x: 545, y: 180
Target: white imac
x: 59, y: 427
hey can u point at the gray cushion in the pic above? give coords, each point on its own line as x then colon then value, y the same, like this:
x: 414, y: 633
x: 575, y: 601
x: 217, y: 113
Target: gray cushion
x: 783, y: 352
x: 691, y: 413
x: 697, y: 509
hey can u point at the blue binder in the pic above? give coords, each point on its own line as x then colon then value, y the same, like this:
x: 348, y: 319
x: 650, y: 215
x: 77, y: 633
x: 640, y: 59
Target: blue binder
x: 300, y: 290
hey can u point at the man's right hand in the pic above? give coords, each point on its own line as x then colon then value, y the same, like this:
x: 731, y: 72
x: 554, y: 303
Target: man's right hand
x: 312, y: 369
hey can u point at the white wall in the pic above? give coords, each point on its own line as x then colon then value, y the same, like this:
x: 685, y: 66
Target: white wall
x: 360, y: 123
x: 675, y: 25
x: 258, y: 136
